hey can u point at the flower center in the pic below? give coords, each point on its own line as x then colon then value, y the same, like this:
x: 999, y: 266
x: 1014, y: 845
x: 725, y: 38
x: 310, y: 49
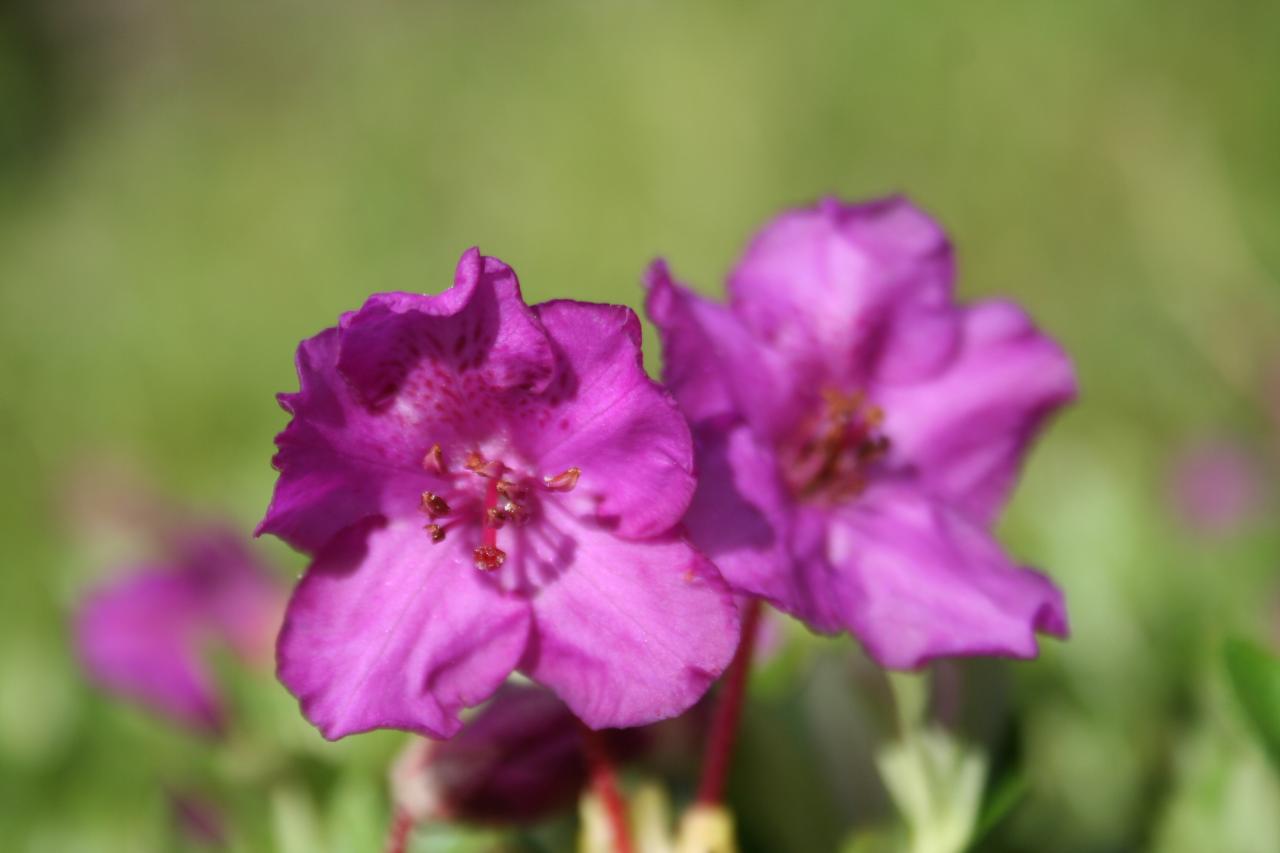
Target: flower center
x: 831, y: 456
x: 488, y: 491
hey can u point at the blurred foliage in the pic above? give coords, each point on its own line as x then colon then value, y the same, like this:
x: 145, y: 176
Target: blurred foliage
x: 1255, y: 677
x: 187, y: 189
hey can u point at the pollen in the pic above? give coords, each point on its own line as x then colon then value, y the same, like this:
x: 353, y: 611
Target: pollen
x: 434, y: 505
x: 564, y: 481
x: 489, y: 557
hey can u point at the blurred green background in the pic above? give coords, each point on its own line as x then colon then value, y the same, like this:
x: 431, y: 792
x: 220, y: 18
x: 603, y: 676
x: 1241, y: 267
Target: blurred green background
x: 187, y: 189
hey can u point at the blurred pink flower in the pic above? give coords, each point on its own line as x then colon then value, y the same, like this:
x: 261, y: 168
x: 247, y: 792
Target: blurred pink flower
x: 858, y: 432
x: 146, y: 634
x: 1216, y: 487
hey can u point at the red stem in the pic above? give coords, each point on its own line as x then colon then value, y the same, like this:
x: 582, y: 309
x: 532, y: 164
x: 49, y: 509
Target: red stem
x: 398, y: 834
x: 604, y: 781
x: 724, y: 725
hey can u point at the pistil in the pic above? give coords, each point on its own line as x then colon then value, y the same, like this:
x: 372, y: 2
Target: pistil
x: 489, y: 556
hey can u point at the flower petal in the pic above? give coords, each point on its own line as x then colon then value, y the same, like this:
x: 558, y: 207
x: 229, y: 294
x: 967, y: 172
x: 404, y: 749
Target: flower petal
x: 630, y: 632
x: 399, y: 375
x: 740, y: 516
x: 818, y: 283
x: 964, y: 432
x: 915, y: 581
x: 606, y: 417
x: 388, y: 630
x: 142, y: 637
x: 461, y: 345
x: 338, y: 461
x: 712, y: 364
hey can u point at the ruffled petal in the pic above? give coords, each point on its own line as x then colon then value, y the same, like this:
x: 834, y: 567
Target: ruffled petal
x: 338, y: 461
x: 818, y: 284
x: 604, y: 416
x: 964, y: 432
x: 399, y: 375
x: 445, y: 356
x: 142, y: 637
x: 388, y: 630
x: 630, y: 632
x: 712, y: 364
x: 915, y: 581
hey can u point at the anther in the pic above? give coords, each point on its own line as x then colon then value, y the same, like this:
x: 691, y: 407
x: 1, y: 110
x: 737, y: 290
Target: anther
x: 436, y: 532
x: 434, y: 505
x: 511, y: 491
x: 476, y: 464
x: 434, y: 460
x: 489, y: 557
x: 515, y: 513
x: 564, y: 481
x: 495, y: 517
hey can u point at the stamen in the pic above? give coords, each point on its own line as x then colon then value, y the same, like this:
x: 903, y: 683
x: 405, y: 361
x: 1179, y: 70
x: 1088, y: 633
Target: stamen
x: 835, y: 449
x: 564, y: 481
x: 434, y: 460
x: 511, y: 491
x: 434, y: 505
x: 436, y: 531
x: 489, y: 557
x: 476, y: 464
x: 495, y: 517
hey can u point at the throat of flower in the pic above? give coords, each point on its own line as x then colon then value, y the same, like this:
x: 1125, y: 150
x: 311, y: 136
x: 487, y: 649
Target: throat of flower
x: 505, y: 498
x: 832, y: 456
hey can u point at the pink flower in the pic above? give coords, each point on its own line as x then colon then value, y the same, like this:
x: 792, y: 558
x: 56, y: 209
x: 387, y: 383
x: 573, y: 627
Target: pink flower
x: 858, y: 432
x: 488, y: 486
x: 146, y: 635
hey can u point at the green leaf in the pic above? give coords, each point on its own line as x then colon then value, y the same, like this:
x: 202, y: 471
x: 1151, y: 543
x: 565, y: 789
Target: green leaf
x: 1255, y: 678
x: 1006, y: 794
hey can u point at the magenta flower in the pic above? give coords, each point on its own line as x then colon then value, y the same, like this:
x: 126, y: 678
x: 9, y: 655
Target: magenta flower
x: 488, y: 486
x: 146, y: 636
x: 858, y: 433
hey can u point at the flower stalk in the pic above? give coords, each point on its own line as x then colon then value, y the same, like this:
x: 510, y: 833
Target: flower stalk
x: 398, y: 835
x: 604, y: 784
x: 724, y: 725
